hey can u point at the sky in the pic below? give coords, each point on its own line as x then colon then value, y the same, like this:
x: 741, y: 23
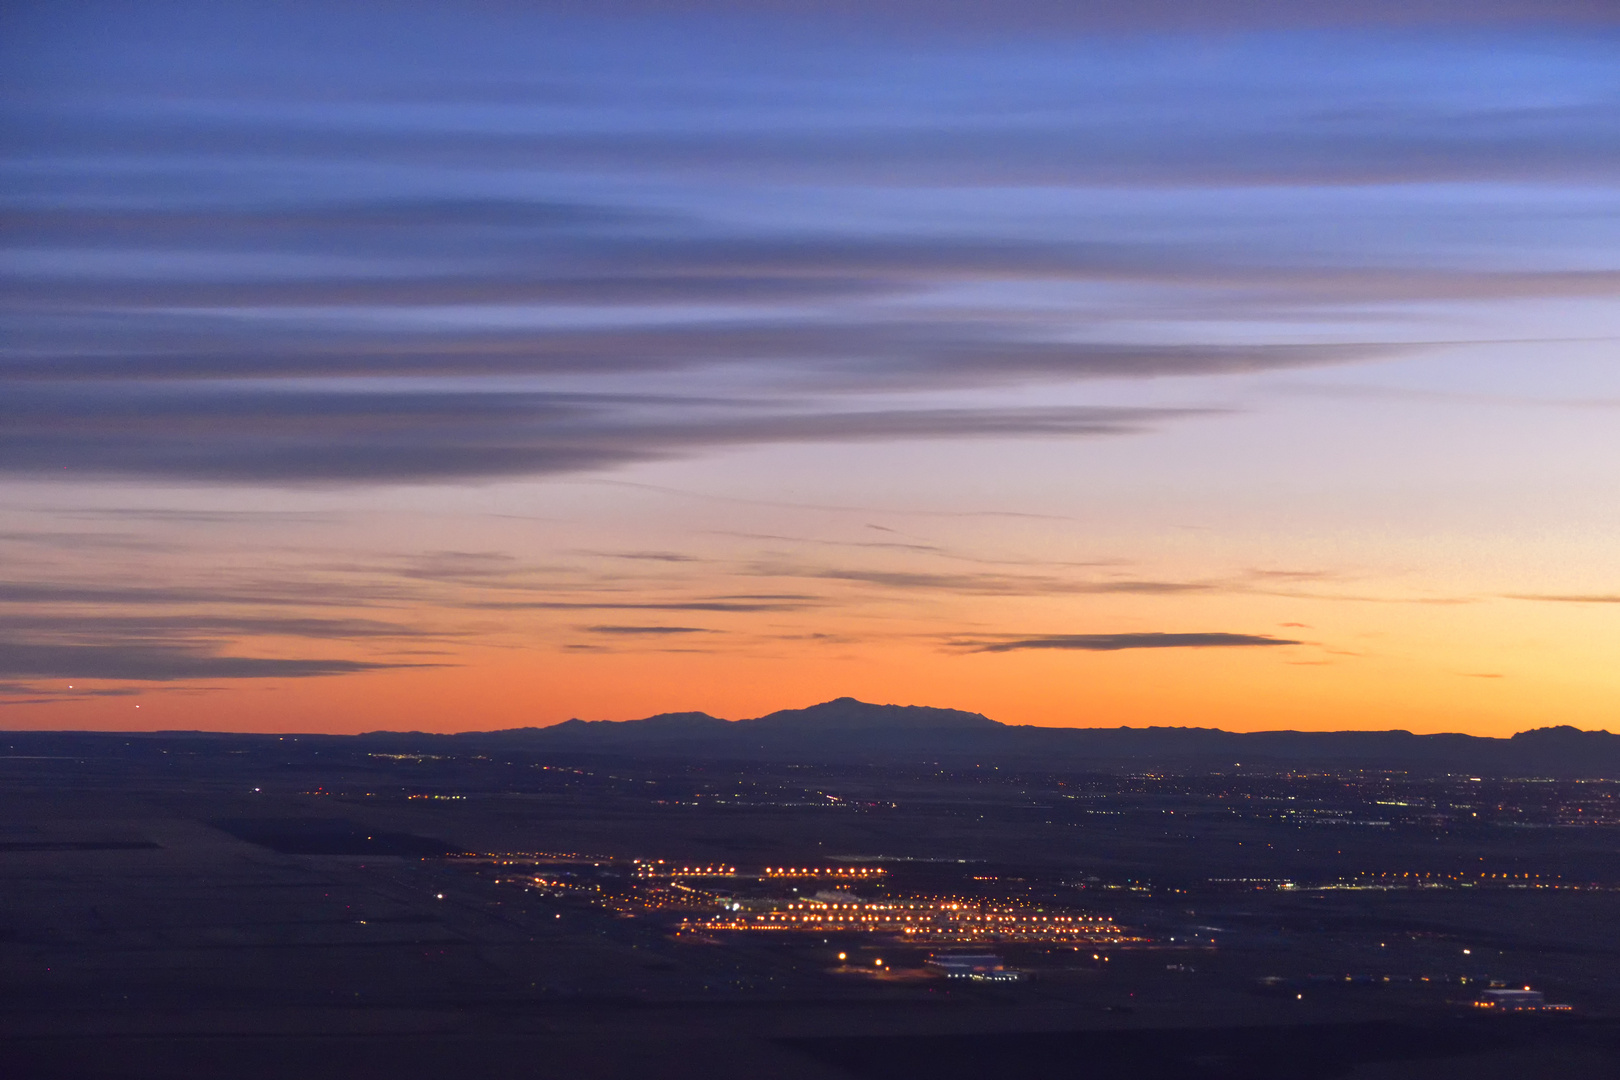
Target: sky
x: 459, y: 366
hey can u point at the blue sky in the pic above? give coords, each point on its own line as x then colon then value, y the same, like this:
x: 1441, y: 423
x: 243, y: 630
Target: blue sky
x: 303, y: 256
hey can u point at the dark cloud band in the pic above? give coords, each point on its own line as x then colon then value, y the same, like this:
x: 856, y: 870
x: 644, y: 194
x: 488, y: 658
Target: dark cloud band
x: 145, y: 663
x: 301, y: 437
x: 1117, y: 642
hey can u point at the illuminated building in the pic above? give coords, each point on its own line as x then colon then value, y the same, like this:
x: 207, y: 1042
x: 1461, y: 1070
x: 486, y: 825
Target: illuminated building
x: 1517, y: 1000
x: 843, y: 873
x: 920, y: 921
x: 658, y: 868
x: 980, y: 967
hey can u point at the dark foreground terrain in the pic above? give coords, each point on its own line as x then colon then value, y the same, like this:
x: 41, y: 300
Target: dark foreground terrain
x: 253, y: 906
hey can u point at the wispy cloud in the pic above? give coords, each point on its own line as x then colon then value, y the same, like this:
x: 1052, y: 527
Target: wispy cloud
x: 654, y: 631
x: 1116, y: 642
x: 718, y: 606
x: 85, y: 626
x: 990, y: 584
x: 1568, y: 598
x: 296, y: 591
x: 887, y: 545
x: 302, y: 436
x: 649, y: 556
x: 12, y: 693
x: 809, y: 353
x: 158, y: 663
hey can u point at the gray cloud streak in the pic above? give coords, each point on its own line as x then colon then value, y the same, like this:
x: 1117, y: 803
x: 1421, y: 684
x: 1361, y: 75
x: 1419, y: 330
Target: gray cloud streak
x: 297, y: 594
x: 829, y: 354
x: 163, y: 663
x: 654, y: 631
x: 1117, y: 642
x: 85, y: 626
x: 1569, y: 598
x: 1018, y: 17
x: 987, y: 584
x: 334, y: 437
x: 1255, y: 143
x: 717, y: 606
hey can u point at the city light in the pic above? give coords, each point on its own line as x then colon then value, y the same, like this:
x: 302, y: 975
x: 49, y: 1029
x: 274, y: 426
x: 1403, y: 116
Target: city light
x: 919, y: 920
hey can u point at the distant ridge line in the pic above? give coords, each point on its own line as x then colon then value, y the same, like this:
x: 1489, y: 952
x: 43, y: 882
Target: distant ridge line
x: 846, y: 730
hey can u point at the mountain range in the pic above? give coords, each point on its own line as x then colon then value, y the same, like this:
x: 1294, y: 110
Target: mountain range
x: 849, y: 731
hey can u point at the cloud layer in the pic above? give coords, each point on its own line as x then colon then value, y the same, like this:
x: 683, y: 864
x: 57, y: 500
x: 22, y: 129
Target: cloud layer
x: 242, y: 251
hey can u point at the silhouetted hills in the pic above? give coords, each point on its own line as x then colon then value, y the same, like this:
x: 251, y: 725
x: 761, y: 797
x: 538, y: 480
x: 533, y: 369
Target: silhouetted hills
x: 834, y: 727
x: 845, y: 714
x: 850, y: 731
